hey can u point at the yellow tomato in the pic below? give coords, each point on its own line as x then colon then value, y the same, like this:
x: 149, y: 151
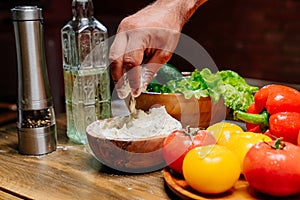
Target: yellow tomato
x: 211, y: 169
x: 223, y: 131
x: 241, y: 143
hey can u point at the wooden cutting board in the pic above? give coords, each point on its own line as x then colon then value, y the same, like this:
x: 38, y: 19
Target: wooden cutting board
x: 241, y: 190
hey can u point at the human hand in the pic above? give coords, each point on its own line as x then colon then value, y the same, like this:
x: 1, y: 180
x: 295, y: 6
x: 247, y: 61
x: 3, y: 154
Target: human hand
x: 144, y: 42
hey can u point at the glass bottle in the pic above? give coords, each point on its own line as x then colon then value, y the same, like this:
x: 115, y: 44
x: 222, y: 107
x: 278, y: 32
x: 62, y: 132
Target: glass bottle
x: 86, y: 71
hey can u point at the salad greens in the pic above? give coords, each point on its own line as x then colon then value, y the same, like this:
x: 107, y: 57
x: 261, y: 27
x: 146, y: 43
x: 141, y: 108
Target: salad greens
x: 226, y: 84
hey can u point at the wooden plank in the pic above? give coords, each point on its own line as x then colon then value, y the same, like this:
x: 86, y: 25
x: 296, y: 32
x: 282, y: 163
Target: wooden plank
x: 6, y: 195
x: 70, y: 172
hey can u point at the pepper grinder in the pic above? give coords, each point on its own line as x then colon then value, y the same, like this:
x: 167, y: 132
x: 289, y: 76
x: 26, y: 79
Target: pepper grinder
x: 36, y: 120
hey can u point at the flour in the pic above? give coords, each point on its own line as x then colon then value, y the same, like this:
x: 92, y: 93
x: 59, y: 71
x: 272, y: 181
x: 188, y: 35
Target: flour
x: 143, y: 125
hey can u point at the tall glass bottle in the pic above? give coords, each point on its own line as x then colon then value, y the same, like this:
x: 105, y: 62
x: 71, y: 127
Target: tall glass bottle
x: 86, y: 71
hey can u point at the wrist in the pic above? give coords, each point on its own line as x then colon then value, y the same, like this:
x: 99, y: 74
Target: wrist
x: 183, y: 8
x: 189, y: 7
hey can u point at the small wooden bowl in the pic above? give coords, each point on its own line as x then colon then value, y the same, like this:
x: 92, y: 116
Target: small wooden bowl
x: 194, y: 112
x: 132, y: 156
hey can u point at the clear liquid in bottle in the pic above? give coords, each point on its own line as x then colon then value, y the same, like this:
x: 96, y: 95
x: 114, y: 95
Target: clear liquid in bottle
x: 86, y: 71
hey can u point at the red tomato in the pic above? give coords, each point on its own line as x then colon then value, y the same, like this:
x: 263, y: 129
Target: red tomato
x: 273, y: 171
x: 298, y: 140
x: 179, y: 142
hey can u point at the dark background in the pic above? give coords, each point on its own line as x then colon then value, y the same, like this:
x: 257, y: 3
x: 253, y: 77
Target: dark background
x: 257, y: 39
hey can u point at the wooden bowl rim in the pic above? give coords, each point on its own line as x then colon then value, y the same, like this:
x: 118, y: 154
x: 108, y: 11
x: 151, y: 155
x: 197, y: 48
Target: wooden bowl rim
x: 172, y: 94
x: 102, y: 137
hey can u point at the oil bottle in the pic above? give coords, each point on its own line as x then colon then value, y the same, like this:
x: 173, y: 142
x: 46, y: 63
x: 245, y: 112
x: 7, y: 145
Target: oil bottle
x: 86, y: 70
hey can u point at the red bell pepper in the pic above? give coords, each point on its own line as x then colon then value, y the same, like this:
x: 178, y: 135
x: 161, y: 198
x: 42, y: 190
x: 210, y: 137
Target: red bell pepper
x: 275, y: 111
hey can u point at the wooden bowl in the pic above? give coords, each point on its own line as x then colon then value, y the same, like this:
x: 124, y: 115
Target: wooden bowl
x: 132, y: 156
x: 194, y: 112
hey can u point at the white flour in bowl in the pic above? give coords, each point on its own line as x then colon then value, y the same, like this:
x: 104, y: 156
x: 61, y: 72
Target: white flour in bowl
x: 142, y: 125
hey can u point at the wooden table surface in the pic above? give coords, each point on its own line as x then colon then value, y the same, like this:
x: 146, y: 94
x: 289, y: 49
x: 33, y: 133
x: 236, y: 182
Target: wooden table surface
x: 70, y: 172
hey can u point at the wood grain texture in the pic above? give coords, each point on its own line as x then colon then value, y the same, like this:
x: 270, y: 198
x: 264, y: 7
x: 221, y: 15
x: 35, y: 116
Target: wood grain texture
x: 6, y: 195
x: 136, y: 156
x: 70, y: 172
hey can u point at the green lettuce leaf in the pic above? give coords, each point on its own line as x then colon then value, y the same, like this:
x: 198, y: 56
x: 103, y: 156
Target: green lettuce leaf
x: 237, y: 93
x: 226, y: 84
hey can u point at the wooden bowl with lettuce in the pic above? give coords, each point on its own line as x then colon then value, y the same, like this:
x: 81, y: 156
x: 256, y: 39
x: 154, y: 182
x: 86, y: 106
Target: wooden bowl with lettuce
x: 199, y: 98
